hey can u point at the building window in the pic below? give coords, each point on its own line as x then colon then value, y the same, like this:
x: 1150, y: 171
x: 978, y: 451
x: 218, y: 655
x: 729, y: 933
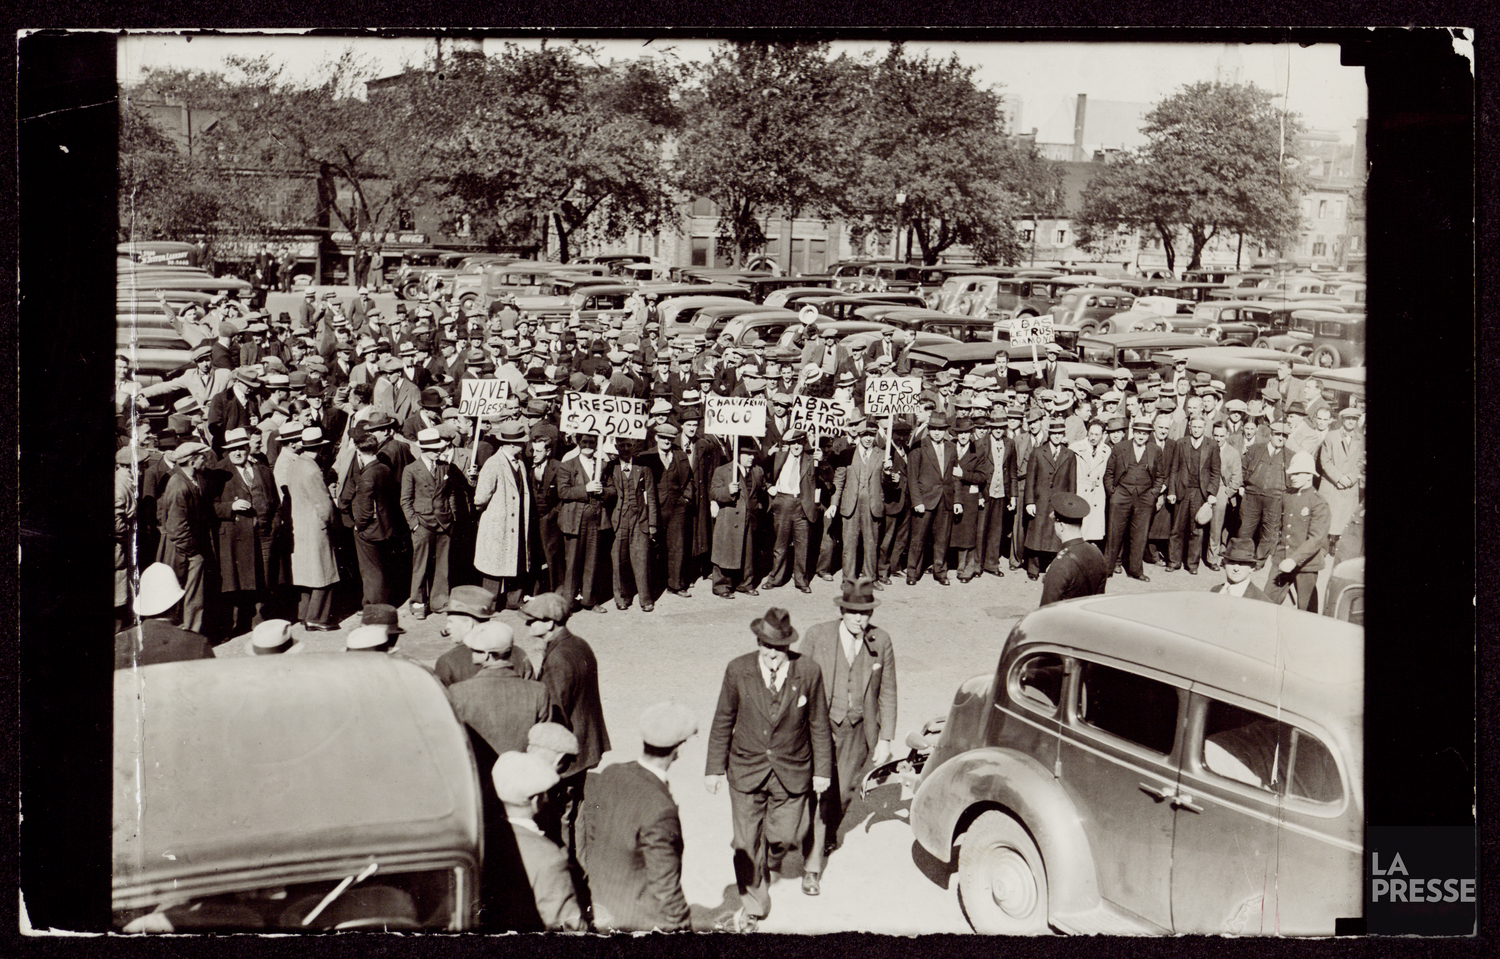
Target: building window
x: 405, y: 220
x: 700, y: 251
x: 1062, y: 237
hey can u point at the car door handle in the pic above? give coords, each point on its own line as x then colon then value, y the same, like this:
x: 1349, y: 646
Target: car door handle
x: 1184, y: 801
x: 1158, y: 792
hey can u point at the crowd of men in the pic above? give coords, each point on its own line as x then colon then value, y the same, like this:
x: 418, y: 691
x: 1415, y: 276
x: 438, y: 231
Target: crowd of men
x: 317, y: 461
x: 315, y: 464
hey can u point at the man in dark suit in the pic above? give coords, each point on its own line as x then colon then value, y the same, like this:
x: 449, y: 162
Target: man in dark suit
x: 859, y: 679
x: 675, y: 495
x: 368, y: 499
x: 1134, y: 476
x: 860, y: 501
x: 586, y: 489
x: 794, y: 508
x: 630, y: 836
x: 770, y: 741
x: 1239, y: 563
x: 1052, y: 468
x: 571, y: 674
x: 931, y: 467
x: 430, y: 491
x: 1194, y: 482
x: 634, y: 518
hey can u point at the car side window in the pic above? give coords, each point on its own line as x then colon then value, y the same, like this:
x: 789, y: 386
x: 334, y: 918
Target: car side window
x: 1038, y: 682
x: 1137, y: 709
x: 1259, y: 751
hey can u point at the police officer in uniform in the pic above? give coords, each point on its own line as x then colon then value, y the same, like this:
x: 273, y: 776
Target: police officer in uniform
x: 1079, y: 568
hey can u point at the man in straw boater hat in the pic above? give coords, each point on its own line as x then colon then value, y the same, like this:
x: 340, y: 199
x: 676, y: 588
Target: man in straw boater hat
x: 155, y: 639
x: 630, y: 835
x: 858, y: 666
x: 770, y: 742
x: 431, y: 491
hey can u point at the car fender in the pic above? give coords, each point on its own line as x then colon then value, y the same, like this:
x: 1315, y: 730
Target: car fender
x: 953, y: 794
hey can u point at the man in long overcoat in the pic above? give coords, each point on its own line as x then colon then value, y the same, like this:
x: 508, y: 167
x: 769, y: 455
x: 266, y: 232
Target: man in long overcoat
x: 1051, y: 468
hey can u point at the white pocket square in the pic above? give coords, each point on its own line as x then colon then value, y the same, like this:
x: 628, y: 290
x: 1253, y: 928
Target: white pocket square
x: 801, y: 701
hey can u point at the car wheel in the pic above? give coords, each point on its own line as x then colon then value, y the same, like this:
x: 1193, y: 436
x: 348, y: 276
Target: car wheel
x: 1261, y: 343
x: 1002, y: 884
x: 1326, y: 357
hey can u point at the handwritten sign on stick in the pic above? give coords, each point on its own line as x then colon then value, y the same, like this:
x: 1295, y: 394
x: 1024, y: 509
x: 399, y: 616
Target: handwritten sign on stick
x: 734, y: 416
x: 611, y: 417
x: 483, y: 397
x: 818, y: 416
x: 885, y: 395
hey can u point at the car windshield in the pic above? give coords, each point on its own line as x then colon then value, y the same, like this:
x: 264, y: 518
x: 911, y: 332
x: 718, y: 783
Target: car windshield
x: 371, y: 898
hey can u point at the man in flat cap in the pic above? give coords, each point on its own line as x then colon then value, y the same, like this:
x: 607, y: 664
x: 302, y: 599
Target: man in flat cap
x: 770, y: 742
x: 630, y: 836
x: 520, y: 780
x: 570, y: 673
x: 1079, y: 568
x: 858, y: 666
x: 1265, y: 481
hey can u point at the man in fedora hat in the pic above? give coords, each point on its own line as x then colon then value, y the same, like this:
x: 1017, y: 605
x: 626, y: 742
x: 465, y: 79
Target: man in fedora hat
x: 186, y: 523
x: 431, y: 491
x: 234, y: 407
x: 313, y: 570
x: 246, y: 503
x: 770, y: 742
x: 155, y: 639
x: 931, y: 468
x: 858, y: 666
x: 1078, y: 569
x: 1239, y: 563
x: 630, y: 836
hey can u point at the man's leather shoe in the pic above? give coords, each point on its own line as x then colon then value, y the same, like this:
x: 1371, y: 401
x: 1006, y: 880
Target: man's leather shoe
x: 804, y: 589
x: 810, y: 886
x: 1143, y: 578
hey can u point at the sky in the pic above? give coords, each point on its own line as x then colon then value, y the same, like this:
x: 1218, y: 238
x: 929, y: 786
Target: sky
x: 1042, y: 76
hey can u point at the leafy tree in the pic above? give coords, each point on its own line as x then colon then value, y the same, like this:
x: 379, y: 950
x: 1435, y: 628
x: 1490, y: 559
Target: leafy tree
x: 931, y: 133
x: 1213, y: 165
x: 769, y: 129
x: 553, y: 142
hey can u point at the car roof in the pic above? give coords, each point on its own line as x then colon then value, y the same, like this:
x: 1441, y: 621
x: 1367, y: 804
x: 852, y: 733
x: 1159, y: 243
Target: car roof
x: 1122, y: 341
x: 1211, y: 358
x: 1312, y: 665
x: 249, y: 762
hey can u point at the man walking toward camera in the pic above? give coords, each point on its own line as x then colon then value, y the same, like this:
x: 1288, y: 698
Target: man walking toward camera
x: 770, y: 743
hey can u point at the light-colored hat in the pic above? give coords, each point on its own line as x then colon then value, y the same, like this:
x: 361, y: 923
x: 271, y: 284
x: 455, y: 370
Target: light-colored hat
x: 368, y: 637
x: 554, y: 736
x: 667, y: 725
x: 519, y: 776
x: 272, y: 637
x: 490, y: 637
x: 159, y: 590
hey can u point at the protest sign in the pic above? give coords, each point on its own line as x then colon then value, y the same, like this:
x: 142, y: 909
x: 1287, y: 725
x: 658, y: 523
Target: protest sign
x: 483, y: 397
x: 734, y: 416
x: 885, y: 395
x: 818, y: 416
x: 604, y: 416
